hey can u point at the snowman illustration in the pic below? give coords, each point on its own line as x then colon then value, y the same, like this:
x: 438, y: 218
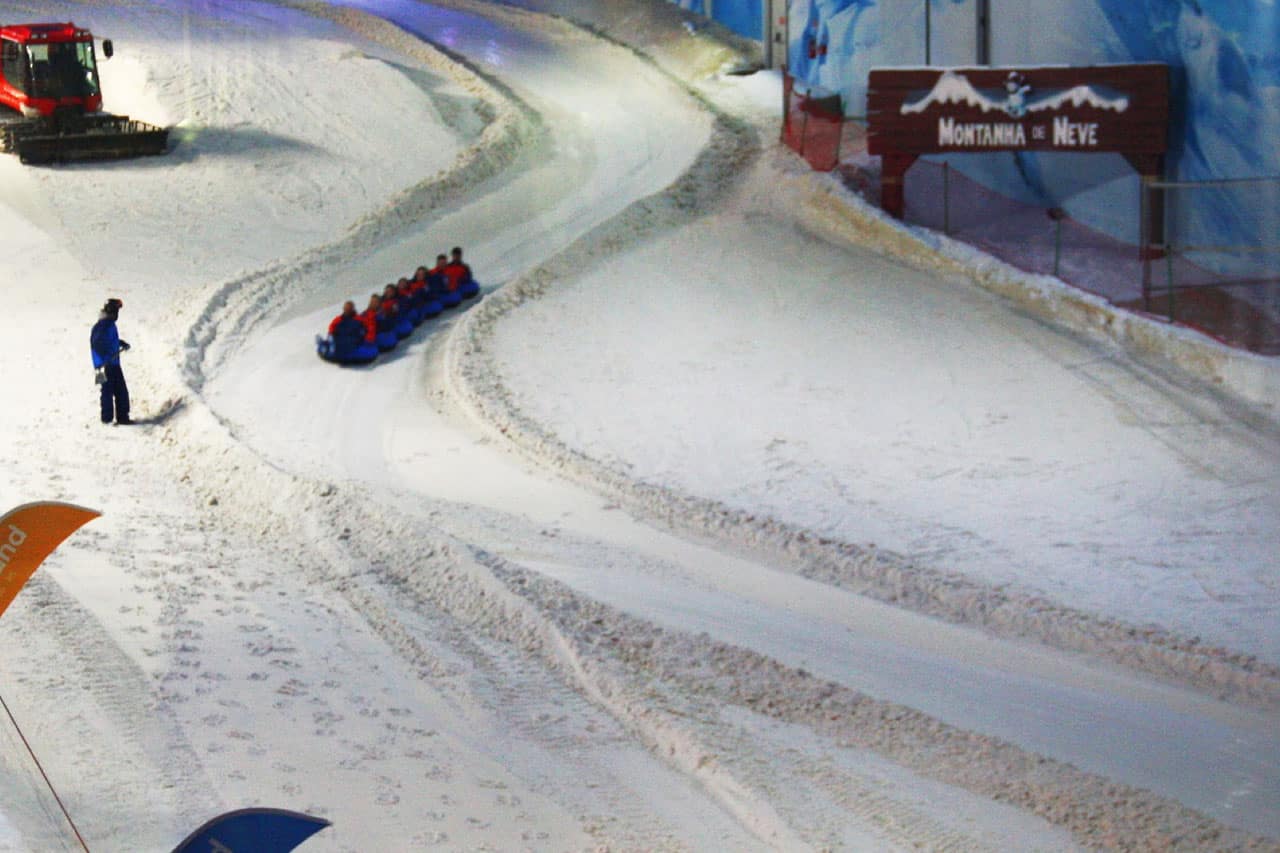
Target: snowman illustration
x: 1015, y: 102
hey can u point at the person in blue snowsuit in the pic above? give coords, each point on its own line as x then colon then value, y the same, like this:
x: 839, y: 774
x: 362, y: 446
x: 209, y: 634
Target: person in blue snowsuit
x: 349, y: 341
x: 106, y: 346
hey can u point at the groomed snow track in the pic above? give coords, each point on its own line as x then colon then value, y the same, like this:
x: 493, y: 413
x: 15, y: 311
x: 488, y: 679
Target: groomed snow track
x: 609, y: 655
x: 726, y: 715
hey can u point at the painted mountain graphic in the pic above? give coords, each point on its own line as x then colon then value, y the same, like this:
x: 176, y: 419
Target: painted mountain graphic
x: 955, y: 88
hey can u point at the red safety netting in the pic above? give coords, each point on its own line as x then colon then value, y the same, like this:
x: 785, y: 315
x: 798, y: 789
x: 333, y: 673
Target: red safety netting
x: 1243, y: 311
x: 812, y: 124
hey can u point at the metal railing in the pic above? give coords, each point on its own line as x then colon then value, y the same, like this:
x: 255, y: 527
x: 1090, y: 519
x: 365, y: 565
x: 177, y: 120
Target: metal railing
x: 1177, y: 269
x: 1229, y: 290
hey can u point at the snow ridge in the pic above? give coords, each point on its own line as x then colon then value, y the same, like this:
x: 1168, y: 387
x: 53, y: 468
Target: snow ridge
x: 441, y: 569
x: 617, y: 660
x: 235, y: 308
x: 875, y: 572
x: 870, y: 571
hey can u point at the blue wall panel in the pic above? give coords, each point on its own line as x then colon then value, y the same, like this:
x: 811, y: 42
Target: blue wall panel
x: 695, y: 6
x: 744, y: 17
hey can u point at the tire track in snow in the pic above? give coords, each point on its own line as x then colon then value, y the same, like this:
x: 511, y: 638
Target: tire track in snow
x: 615, y: 795
x: 615, y: 653
x: 135, y: 759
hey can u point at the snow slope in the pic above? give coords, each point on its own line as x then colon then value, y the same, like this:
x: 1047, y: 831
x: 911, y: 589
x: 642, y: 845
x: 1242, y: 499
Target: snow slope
x: 554, y: 576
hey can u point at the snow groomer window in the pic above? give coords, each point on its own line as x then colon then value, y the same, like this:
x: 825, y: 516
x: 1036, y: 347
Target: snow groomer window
x: 15, y: 69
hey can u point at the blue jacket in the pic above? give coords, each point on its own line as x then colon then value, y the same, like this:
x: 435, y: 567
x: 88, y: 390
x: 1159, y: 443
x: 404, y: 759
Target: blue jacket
x: 104, y: 342
x: 348, y: 335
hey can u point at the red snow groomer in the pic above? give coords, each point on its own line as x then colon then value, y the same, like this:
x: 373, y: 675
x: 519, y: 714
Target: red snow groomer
x: 49, y: 79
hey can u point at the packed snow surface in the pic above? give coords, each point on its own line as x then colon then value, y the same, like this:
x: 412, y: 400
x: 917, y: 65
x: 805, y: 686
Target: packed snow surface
x: 732, y: 516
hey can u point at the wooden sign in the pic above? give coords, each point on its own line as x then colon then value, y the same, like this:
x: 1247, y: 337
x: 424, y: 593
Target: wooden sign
x: 1113, y: 108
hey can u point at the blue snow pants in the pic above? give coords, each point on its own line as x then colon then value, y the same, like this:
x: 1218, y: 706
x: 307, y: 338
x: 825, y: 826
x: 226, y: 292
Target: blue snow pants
x: 115, y: 396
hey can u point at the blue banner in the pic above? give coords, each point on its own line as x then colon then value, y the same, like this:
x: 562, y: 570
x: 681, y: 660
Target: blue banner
x: 252, y: 831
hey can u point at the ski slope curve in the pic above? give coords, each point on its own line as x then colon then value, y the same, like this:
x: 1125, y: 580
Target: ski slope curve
x: 485, y: 483
x: 224, y: 659
x: 344, y: 592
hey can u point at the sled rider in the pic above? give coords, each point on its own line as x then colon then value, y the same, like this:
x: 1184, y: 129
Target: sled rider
x: 347, y: 331
x: 456, y: 272
x: 370, y: 317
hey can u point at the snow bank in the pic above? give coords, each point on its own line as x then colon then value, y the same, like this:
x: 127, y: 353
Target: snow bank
x: 1254, y: 380
x: 641, y: 673
x: 873, y: 571
x: 667, y: 687
x: 478, y: 374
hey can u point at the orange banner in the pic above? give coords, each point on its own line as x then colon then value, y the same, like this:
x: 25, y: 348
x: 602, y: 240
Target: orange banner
x: 28, y: 535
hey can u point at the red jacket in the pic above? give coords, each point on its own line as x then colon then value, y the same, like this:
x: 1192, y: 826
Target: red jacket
x: 370, y: 320
x: 333, y: 327
x: 456, y: 273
